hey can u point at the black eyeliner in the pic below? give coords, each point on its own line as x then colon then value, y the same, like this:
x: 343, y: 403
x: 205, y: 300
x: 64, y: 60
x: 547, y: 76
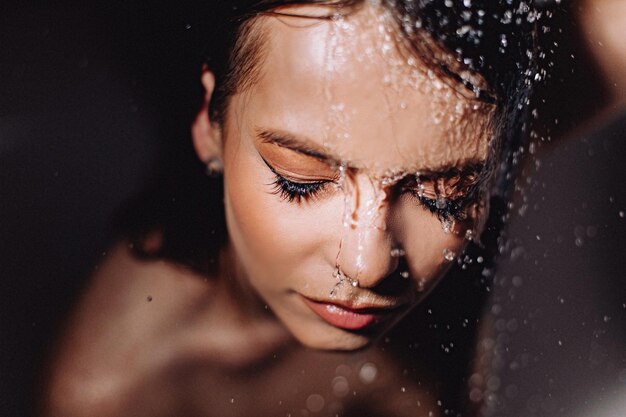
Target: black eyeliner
x: 291, y: 190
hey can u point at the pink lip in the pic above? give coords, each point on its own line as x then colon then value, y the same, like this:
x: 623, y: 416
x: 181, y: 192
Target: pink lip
x: 344, y: 317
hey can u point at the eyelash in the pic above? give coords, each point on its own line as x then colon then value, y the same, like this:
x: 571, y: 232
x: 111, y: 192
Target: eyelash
x: 296, y: 191
x: 443, y: 209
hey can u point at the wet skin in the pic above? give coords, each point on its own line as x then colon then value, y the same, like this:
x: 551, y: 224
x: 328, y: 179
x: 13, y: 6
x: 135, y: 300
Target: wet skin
x: 286, y: 129
x: 323, y: 101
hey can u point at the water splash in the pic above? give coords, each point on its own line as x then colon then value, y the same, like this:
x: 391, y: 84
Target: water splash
x: 449, y: 255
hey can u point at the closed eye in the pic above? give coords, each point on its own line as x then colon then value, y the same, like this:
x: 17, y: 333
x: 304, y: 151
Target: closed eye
x: 297, y: 191
x: 446, y: 201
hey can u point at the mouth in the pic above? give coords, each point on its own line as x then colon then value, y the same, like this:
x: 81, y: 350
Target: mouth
x: 349, y: 317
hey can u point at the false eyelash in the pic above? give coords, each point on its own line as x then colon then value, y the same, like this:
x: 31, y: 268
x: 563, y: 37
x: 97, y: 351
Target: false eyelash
x: 296, y: 191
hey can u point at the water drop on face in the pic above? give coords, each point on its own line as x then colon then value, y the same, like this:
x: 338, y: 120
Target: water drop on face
x: 447, y: 225
x: 448, y: 255
x: 397, y: 252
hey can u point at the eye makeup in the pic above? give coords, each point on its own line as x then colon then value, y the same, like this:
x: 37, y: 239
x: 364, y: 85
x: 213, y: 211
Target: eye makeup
x: 301, y: 174
x: 293, y: 191
x: 448, y: 205
x: 449, y: 193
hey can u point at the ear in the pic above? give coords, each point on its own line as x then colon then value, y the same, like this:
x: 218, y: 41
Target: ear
x: 206, y: 134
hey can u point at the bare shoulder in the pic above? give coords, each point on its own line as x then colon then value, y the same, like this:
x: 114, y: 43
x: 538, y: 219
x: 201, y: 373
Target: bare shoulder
x: 122, y: 333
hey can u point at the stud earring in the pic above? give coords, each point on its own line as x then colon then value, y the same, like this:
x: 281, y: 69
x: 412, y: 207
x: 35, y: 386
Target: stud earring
x: 214, y: 167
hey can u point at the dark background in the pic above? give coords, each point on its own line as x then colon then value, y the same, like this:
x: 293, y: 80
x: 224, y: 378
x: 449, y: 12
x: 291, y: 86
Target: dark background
x: 91, y: 98
x: 93, y: 94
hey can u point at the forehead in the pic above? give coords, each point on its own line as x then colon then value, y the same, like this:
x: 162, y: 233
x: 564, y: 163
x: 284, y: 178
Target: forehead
x: 348, y: 86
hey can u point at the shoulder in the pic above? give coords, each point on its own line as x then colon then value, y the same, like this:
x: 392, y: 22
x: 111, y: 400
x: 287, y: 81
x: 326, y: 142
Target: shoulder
x: 121, y: 334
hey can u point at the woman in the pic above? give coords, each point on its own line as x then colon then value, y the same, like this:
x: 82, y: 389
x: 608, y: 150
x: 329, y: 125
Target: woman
x: 358, y: 145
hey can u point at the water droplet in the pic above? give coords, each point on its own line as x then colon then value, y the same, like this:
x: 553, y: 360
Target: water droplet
x: 368, y: 373
x: 606, y: 319
x: 397, y: 252
x: 404, y: 274
x: 476, y: 395
x: 340, y: 386
x: 448, y: 255
x: 315, y: 403
x: 591, y: 231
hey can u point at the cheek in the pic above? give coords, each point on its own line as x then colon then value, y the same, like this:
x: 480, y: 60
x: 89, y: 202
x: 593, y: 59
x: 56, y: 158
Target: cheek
x: 270, y: 235
x: 430, y: 250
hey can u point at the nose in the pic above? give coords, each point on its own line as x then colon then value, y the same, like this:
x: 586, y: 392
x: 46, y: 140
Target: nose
x: 367, y: 241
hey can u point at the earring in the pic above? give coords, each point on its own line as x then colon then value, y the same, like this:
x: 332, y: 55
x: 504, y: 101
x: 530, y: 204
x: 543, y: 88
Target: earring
x: 214, y: 167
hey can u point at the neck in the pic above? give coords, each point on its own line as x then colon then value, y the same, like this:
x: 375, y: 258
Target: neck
x: 236, y: 288
x: 245, y: 330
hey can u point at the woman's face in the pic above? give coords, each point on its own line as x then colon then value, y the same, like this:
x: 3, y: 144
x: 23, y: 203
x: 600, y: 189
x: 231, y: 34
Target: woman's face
x: 348, y: 173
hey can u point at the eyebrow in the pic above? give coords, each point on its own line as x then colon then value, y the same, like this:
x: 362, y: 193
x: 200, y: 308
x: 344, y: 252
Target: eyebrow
x: 306, y: 146
x: 295, y: 143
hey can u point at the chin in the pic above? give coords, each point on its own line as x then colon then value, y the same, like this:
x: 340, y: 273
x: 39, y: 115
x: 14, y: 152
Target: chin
x: 334, y: 339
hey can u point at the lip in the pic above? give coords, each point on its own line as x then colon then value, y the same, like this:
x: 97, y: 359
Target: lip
x: 348, y: 318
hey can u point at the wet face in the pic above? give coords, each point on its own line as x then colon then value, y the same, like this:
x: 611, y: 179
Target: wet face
x: 351, y: 177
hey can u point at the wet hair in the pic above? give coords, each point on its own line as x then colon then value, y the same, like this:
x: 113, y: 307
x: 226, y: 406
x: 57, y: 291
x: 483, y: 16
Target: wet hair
x: 494, y: 39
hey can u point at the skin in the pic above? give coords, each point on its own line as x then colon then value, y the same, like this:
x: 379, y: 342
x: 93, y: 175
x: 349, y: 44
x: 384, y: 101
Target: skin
x: 152, y: 338
x: 603, y: 25
x: 287, y: 250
